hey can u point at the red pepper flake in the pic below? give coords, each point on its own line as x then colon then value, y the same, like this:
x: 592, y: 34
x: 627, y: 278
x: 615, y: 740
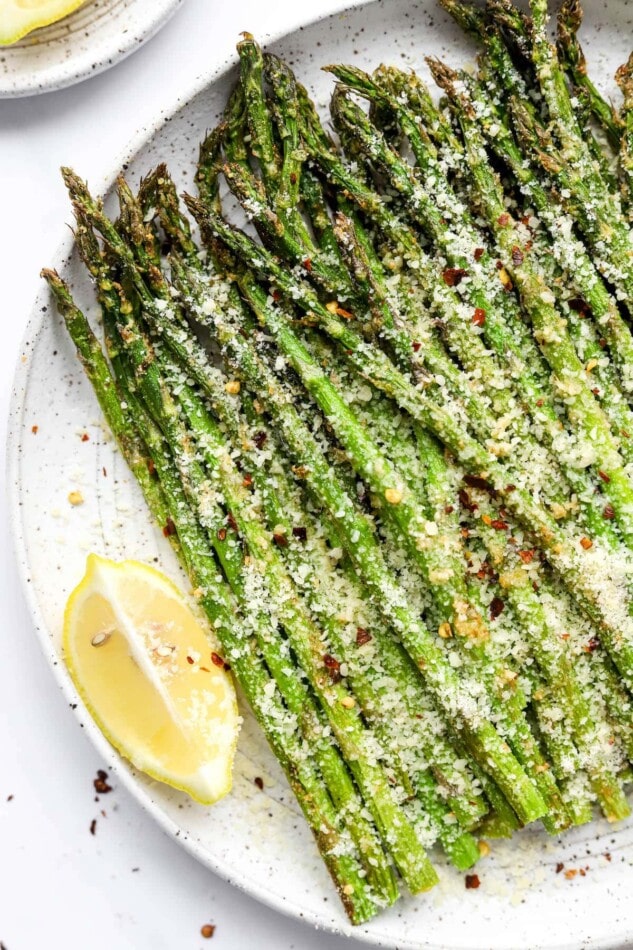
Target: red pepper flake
x: 258, y: 780
x: 586, y: 543
x: 207, y: 931
x: 604, y: 476
x: 35, y: 429
x: 472, y: 882
x: 331, y: 662
x: 101, y: 783
x: 307, y: 264
x: 190, y: 660
x: 496, y: 607
x: 260, y: 439
x: 222, y: 534
x: 453, y: 276
x: 247, y: 481
x: 608, y: 512
x: 280, y: 540
x: 595, y: 391
x: 479, y: 253
x: 93, y: 826
x: 624, y: 434
x: 217, y: 660
x: 232, y: 523
x: 527, y: 556
x: 593, y: 645
x: 479, y: 317
x: 170, y: 528
x: 499, y: 524
x: 476, y: 481
x: 583, y: 872
x: 105, y: 473
x: 560, y: 867
x: 579, y: 306
x: 465, y: 502
x: 449, y: 509
x: 362, y: 636
x: 9, y: 798
x: 607, y: 856
x: 499, y: 265
x: 571, y: 873
x: 510, y: 488
x: 503, y: 220
x: 416, y: 346
x: 539, y: 402
x: 300, y: 533
x: 340, y: 312
x: 276, y: 295
x: 602, y: 343
x: 151, y: 468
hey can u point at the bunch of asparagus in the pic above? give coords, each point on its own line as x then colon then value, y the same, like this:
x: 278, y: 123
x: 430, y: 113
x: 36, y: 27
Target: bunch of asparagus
x: 388, y: 427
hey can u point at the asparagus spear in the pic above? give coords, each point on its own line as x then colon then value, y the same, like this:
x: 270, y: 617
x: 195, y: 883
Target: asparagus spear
x: 137, y: 437
x: 624, y: 77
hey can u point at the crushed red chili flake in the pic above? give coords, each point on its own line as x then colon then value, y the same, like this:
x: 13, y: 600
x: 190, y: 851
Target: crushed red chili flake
x: 602, y: 343
x: 449, y: 509
x: 9, y: 798
x: 280, y: 540
x: 217, y: 660
x: 331, y: 662
x: 503, y: 220
x: 101, y: 783
x: 35, y: 429
x: 300, y: 533
x: 608, y: 512
x: 527, y: 556
x: 276, y: 295
x: 170, y: 528
x: 307, y: 264
x: 465, y: 502
x: 496, y: 607
x: 259, y: 782
x: 362, y: 636
x: 189, y: 660
x: 586, y: 543
x: 559, y: 867
x: 607, y: 856
x: 222, y: 534
x: 472, y: 882
x: 593, y: 644
x: 499, y: 524
x: 604, y: 476
x: 105, y: 473
x: 260, y: 439
x: 580, y: 306
x: 476, y: 481
x: 571, y: 873
x: 499, y: 265
x: 595, y: 391
x: 247, y: 481
x: 416, y: 346
x: 539, y: 402
x: 453, y: 276
x: 479, y: 253
x: 479, y: 317
x: 517, y: 256
x: 232, y: 523
x: 93, y: 826
x: 207, y: 931
x: 85, y: 437
x: 151, y: 468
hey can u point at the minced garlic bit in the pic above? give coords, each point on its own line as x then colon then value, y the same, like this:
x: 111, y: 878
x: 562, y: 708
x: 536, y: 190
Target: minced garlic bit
x: 348, y: 889
x: 76, y: 498
x: 484, y: 848
x: 444, y: 631
x: 348, y: 702
x: 233, y: 387
x: 394, y: 496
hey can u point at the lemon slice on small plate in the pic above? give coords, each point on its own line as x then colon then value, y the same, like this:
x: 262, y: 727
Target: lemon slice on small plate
x: 19, y: 17
x: 152, y: 677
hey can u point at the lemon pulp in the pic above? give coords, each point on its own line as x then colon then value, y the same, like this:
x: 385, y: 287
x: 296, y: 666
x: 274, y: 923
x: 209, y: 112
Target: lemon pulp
x: 152, y: 677
x: 19, y: 17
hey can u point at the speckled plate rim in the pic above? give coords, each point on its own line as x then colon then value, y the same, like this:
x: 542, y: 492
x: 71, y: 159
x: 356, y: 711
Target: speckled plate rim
x: 62, y: 75
x: 141, y: 794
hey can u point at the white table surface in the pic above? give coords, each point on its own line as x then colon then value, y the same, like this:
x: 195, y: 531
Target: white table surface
x: 128, y: 887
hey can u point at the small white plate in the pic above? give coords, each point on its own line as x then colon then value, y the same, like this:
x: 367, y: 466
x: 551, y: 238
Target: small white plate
x: 90, y: 40
x: 256, y: 839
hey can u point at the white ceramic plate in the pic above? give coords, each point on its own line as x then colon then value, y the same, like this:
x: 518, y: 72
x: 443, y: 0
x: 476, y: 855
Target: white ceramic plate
x: 93, y: 38
x: 257, y: 839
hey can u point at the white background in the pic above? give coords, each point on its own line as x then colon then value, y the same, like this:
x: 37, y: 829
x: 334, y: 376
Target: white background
x: 128, y: 887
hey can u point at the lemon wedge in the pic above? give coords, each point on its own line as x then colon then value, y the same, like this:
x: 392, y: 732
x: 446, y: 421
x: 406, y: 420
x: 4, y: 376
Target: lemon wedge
x: 152, y: 677
x: 19, y: 17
